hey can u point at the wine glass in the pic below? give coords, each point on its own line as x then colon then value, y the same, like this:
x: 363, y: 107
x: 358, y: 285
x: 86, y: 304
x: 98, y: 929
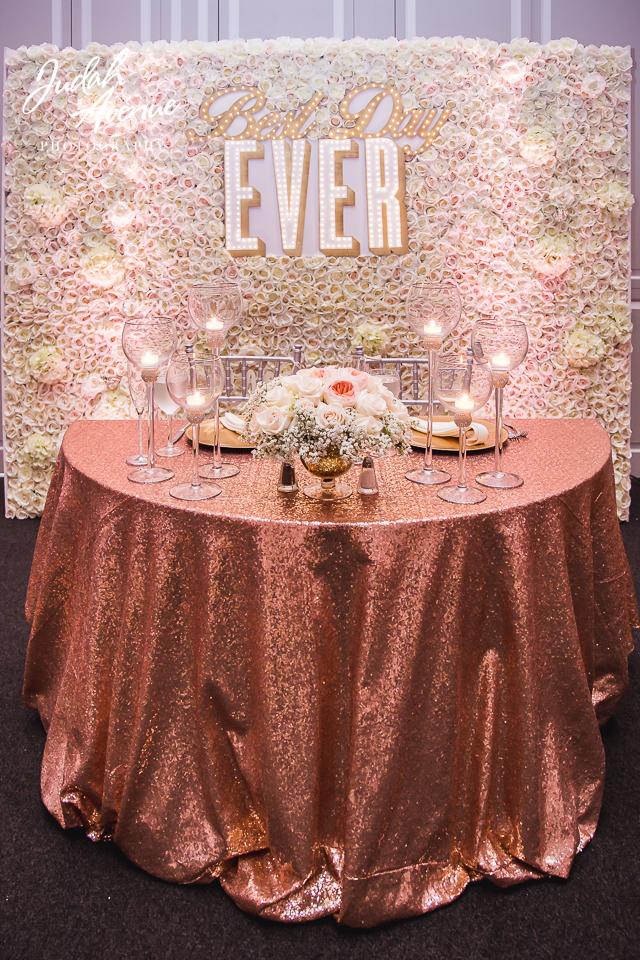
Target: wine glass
x: 500, y: 345
x: 148, y: 343
x: 195, y: 385
x: 138, y: 394
x: 433, y: 310
x: 214, y: 308
x: 462, y: 387
x: 165, y: 402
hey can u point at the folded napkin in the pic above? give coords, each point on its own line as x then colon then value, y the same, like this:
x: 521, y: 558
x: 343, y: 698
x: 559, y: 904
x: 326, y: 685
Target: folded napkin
x: 477, y: 432
x: 232, y: 422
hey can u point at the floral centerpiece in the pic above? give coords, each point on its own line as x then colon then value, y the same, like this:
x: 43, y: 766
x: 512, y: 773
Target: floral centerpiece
x: 331, y: 417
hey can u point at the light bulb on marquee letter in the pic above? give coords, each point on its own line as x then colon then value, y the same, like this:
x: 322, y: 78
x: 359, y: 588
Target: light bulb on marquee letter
x: 291, y: 166
x: 386, y: 211
x: 334, y: 196
x: 239, y: 196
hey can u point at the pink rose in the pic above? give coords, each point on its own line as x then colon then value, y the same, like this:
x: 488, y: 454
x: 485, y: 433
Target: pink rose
x: 341, y: 392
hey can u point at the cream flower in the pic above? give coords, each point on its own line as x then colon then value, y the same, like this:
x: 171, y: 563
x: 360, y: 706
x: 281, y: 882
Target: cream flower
x: 40, y: 448
x: 538, y: 146
x: 46, y: 365
x: 583, y: 348
x: 23, y: 272
x: 102, y: 266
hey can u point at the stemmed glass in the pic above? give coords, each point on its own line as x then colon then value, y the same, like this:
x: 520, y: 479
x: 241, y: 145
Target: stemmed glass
x: 166, y: 403
x: 138, y: 394
x: 501, y: 345
x: 148, y: 343
x: 214, y: 308
x: 433, y: 309
x: 462, y: 388
x: 195, y: 385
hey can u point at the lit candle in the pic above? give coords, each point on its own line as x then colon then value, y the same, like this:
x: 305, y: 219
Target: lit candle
x: 196, y: 400
x: 149, y: 360
x: 464, y: 403
x: 500, y: 362
x: 432, y: 329
x: 214, y: 324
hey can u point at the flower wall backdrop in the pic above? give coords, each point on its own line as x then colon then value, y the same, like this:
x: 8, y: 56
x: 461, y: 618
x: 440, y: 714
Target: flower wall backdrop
x: 523, y: 201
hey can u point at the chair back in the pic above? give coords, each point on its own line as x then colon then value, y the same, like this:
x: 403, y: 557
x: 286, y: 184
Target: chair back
x: 243, y: 373
x: 407, y: 370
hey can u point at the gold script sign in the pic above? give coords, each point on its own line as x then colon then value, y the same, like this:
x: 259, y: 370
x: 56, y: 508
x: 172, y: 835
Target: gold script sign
x: 421, y: 123
x: 383, y: 156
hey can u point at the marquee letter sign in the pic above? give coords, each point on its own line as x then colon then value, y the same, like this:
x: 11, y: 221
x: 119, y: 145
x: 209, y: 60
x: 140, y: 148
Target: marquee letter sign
x: 377, y: 181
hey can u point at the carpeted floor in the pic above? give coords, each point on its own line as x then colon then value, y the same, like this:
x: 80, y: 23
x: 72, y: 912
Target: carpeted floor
x: 64, y: 898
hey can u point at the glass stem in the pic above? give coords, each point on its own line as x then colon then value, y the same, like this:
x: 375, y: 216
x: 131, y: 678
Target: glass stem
x: 170, y: 428
x: 217, y: 450
x: 428, y: 451
x: 462, y: 459
x: 195, y: 479
x: 151, y: 452
x: 498, y: 443
x: 141, y: 434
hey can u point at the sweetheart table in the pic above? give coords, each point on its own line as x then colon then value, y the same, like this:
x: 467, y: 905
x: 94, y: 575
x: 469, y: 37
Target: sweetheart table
x: 351, y: 709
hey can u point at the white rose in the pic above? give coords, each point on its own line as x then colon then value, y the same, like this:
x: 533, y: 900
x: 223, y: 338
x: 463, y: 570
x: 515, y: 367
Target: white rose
x: 309, y: 383
x: 330, y: 415
x: 278, y: 396
x: 370, y: 404
x: 272, y: 420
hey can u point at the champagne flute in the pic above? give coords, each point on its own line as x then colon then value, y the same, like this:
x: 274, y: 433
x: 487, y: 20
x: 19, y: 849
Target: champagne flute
x: 214, y: 308
x: 501, y: 345
x: 148, y: 343
x: 462, y: 389
x: 194, y: 385
x: 138, y: 394
x: 433, y: 310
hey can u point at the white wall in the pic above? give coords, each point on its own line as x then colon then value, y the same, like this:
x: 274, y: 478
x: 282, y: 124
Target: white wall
x: 77, y: 22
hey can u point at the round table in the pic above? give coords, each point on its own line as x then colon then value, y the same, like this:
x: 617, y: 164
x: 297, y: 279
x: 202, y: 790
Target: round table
x: 351, y: 709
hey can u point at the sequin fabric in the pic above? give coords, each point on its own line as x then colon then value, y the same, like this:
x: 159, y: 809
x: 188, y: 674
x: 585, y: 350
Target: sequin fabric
x: 351, y: 709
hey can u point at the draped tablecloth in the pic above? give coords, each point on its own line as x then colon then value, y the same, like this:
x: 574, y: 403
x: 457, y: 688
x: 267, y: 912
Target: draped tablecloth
x: 351, y: 709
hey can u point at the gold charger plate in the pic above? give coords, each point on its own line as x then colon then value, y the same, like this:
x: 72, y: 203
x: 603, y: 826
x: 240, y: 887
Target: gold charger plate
x: 228, y: 439
x: 450, y: 444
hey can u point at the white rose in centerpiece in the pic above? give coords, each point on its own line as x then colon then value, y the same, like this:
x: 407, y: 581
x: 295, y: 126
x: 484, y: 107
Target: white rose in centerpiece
x: 279, y: 396
x: 330, y: 415
x: 272, y: 420
x: 306, y: 383
x: 370, y: 404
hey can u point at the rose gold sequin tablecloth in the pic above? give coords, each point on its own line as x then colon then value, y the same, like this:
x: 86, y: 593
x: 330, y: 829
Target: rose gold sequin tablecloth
x: 351, y: 710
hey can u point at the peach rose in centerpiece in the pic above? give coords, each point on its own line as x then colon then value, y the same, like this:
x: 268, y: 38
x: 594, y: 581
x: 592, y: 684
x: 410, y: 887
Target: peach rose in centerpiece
x: 341, y: 392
